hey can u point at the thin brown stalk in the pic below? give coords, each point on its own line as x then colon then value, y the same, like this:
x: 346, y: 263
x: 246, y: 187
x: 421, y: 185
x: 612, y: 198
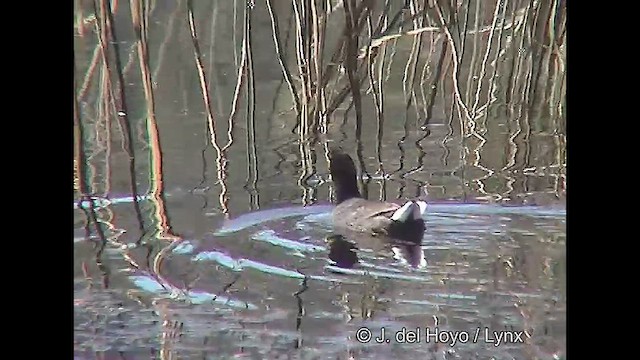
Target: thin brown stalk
x: 412, y: 62
x: 79, y: 151
x: 318, y: 30
x: 527, y: 146
x: 370, y: 65
x: 527, y: 81
x: 108, y: 110
x: 483, y: 65
x: 239, y: 79
x: 560, y: 33
x: 549, y: 50
x: 449, y: 135
x: 491, y: 97
x: 285, y: 70
x: 391, y: 56
x: 139, y: 25
x: 234, y: 39
x: 339, y: 98
x: 414, y: 14
x: 381, y: 34
x: 454, y: 55
x: 215, y: 77
x: 360, y: 13
x: 378, y: 104
x: 433, y: 85
x: 303, y: 65
x: 90, y: 73
x: 474, y: 52
x: 162, y: 49
x: 236, y: 95
x: 381, y: 60
x: 220, y: 157
x: 252, y: 153
x: 517, y: 55
x: 528, y: 72
x: 79, y: 17
x: 383, y: 21
x: 140, y: 21
x: 465, y: 27
x: 202, y: 78
x: 107, y: 155
x: 307, y: 166
x: 418, y: 43
x: 509, y: 76
x: 108, y: 36
x: 379, y: 41
x: 426, y: 69
x: 560, y: 81
x: 351, y: 59
x: 540, y: 52
x: 131, y: 61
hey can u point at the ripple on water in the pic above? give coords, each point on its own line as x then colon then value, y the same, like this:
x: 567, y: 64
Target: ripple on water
x: 451, y: 227
x: 166, y: 290
x: 464, y: 284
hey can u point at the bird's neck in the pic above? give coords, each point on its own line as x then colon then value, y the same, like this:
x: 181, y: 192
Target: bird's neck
x: 346, y: 192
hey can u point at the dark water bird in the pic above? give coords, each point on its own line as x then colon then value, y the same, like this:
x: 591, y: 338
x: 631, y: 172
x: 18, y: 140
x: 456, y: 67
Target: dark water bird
x: 377, y: 218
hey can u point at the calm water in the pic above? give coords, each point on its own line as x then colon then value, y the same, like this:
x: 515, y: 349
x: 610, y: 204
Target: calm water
x: 234, y: 257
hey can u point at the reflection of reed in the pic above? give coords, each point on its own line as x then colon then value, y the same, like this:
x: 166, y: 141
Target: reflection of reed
x: 411, y: 66
x: 428, y: 102
x: 378, y: 100
x: 301, y: 311
x: 371, y: 300
x: 103, y: 141
x: 507, y: 57
x: 285, y: 71
x: 318, y: 30
x: 89, y: 74
x: 454, y: 56
x: 86, y: 172
x: 240, y: 79
x: 307, y: 159
x: 485, y: 58
x: 473, y: 72
x: 493, y: 63
x: 107, y: 35
x: 80, y: 160
x: 365, y: 178
x: 139, y: 17
x: 80, y: 163
x: 252, y: 156
x: 351, y: 62
x: 171, y: 331
x: 162, y: 48
x: 220, y: 157
x: 212, y: 46
x: 303, y: 67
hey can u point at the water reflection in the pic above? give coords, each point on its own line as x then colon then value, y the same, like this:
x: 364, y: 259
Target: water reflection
x: 341, y: 252
x: 202, y: 196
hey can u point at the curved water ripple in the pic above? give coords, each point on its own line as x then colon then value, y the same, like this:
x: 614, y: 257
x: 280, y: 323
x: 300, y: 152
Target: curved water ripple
x: 480, y: 265
x: 300, y: 231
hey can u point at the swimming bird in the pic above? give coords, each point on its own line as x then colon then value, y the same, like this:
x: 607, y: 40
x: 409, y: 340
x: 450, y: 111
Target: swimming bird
x: 377, y: 218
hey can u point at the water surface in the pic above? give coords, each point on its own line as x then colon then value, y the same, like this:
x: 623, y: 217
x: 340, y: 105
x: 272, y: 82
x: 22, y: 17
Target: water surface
x: 232, y: 254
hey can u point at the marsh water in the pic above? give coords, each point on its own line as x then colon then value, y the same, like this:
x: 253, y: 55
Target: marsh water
x: 202, y: 219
